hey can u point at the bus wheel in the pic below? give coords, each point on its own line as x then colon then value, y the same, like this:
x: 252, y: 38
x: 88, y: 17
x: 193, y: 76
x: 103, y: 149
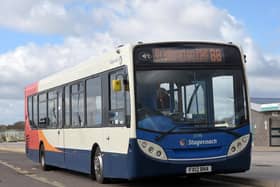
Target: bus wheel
x: 98, y: 166
x: 43, y: 159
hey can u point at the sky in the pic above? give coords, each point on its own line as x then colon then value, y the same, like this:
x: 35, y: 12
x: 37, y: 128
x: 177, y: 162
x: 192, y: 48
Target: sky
x: 40, y: 37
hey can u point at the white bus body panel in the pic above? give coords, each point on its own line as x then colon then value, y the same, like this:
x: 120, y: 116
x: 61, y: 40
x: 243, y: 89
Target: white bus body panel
x: 110, y: 139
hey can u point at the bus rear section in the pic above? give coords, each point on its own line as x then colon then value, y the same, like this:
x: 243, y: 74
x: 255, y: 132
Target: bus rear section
x: 31, y: 132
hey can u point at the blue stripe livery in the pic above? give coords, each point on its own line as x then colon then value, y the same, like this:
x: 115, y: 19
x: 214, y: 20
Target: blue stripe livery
x: 136, y: 164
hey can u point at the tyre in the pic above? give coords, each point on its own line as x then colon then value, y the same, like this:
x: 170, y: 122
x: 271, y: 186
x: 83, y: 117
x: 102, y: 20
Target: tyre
x: 42, y: 159
x: 98, y: 166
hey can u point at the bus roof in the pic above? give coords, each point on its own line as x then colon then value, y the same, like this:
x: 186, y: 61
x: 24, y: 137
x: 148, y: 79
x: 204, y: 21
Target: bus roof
x: 107, y: 61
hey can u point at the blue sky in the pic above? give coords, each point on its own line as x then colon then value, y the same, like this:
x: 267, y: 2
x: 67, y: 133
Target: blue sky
x: 260, y: 18
x: 39, y: 38
x: 10, y: 39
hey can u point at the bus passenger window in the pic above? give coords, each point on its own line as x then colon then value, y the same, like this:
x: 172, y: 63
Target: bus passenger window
x: 119, y: 100
x: 60, y: 108
x: 67, y: 107
x: 52, y: 109
x: 43, y: 121
x: 94, y: 102
x: 77, y: 104
x: 30, y: 111
x: 35, y: 110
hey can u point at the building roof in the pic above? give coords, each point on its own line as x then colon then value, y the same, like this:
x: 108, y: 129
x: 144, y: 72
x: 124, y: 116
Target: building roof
x: 265, y: 104
x: 264, y: 100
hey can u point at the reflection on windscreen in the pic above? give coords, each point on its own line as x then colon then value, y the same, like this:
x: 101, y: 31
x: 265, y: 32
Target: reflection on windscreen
x: 166, y: 98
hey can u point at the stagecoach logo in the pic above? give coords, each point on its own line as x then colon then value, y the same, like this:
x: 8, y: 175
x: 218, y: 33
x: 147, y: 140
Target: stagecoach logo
x: 197, y: 143
x: 182, y: 142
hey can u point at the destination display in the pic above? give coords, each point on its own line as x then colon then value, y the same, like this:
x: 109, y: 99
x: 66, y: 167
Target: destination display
x: 198, y: 55
x: 188, y: 54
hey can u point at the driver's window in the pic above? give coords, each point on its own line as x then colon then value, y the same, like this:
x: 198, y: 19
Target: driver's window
x: 223, y: 96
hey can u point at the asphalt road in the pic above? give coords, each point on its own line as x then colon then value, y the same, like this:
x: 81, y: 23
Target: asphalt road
x: 17, y: 170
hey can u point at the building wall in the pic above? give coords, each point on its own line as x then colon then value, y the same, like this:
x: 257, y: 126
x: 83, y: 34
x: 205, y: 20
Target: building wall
x: 261, y: 127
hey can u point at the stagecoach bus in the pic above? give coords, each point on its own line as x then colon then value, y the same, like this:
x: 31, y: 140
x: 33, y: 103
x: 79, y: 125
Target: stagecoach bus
x: 173, y: 108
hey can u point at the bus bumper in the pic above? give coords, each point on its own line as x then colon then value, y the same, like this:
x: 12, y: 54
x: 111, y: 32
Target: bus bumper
x: 138, y: 165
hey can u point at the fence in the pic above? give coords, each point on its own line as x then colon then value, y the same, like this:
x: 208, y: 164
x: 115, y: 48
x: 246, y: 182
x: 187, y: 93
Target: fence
x: 11, y: 136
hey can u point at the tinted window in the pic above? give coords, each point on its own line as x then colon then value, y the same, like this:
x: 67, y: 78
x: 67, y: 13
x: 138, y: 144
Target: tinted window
x: 77, y: 105
x: 52, y: 109
x: 94, y: 102
x: 30, y: 111
x: 43, y: 110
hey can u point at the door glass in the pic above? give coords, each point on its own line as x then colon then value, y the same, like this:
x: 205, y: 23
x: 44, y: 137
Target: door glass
x: 119, y: 113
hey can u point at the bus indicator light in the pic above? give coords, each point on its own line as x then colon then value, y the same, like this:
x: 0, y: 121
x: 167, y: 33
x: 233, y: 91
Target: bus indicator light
x: 144, y: 144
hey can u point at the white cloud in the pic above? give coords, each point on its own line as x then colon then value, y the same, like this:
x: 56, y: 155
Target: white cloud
x: 63, y: 17
x: 92, y: 26
x: 30, y: 63
x: 11, y: 111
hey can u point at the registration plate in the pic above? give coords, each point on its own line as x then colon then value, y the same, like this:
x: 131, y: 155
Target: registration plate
x: 199, y: 169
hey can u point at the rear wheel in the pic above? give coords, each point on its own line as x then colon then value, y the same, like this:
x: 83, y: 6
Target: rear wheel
x: 43, y: 158
x: 98, y: 166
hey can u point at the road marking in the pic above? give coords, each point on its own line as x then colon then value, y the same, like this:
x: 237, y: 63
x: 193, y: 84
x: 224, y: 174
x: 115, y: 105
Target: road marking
x: 31, y: 175
x: 15, y: 150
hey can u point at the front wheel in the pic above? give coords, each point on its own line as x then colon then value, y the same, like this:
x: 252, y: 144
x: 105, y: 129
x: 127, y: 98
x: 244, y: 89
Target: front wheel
x: 98, y: 166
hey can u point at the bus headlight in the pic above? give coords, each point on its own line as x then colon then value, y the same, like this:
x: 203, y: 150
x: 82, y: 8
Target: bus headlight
x: 151, y: 149
x: 238, y: 145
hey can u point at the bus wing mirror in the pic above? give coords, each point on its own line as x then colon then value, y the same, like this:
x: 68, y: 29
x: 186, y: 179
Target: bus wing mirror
x: 117, y: 85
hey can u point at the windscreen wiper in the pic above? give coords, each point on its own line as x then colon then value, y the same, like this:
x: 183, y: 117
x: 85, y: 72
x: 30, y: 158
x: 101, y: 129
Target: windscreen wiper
x: 229, y: 131
x: 160, y: 137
